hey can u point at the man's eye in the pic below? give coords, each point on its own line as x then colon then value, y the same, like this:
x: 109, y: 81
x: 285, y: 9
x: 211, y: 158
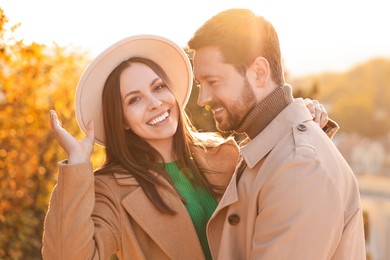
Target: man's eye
x: 212, y: 83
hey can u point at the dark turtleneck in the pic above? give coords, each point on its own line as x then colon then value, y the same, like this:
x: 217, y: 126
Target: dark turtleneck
x: 264, y: 112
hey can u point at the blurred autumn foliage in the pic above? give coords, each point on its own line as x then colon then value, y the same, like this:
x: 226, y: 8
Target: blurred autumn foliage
x: 358, y: 99
x: 33, y: 79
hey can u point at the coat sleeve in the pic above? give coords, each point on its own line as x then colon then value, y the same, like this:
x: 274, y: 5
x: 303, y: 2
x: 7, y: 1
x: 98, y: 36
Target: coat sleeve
x: 300, y: 213
x: 72, y: 228
x: 218, y: 162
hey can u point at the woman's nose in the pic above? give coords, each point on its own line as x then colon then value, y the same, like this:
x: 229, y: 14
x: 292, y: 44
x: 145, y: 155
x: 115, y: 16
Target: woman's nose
x: 154, y: 102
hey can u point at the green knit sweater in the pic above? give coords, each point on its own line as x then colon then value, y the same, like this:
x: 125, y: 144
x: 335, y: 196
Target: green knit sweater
x: 200, y: 203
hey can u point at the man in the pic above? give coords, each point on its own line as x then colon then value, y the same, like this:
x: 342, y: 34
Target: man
x: 293, y: 195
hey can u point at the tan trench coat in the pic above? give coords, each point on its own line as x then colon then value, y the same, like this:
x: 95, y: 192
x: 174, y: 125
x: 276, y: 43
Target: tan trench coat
x: 94, y: 217
x: 296, y: 199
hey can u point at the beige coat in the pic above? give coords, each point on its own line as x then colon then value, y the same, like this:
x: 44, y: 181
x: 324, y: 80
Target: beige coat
x: 296, y: 199
x: 94, y: 217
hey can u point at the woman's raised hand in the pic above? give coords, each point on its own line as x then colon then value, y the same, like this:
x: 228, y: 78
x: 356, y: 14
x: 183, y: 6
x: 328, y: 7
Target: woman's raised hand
x: 78, y: 150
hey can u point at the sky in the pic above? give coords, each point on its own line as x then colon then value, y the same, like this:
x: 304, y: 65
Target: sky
x: 315, y: 36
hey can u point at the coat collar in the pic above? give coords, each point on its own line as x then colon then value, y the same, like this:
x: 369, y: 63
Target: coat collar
x: 266, y: 110
x: 264, y: 142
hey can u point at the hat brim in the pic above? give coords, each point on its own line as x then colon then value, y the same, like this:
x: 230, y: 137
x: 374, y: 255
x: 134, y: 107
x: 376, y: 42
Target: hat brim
x: 168, y: 55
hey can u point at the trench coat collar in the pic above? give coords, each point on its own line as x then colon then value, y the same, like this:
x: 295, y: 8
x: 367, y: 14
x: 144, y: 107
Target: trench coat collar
x: 254, y: 150
x: 174, y: 234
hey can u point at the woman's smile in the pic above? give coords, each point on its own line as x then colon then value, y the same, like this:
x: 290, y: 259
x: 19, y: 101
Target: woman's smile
x: 159, y: 119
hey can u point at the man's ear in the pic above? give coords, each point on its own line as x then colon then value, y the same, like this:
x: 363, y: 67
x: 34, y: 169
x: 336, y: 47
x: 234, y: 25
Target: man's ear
x: 262, y: 70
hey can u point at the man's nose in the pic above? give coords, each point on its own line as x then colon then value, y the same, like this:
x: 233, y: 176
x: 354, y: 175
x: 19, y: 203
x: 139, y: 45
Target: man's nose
x: 204, y: 96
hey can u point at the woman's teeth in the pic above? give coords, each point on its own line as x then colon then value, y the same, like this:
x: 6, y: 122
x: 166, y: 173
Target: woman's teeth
x: 159, y: 119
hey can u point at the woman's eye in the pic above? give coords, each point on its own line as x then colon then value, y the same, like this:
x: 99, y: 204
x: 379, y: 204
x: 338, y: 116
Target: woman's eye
x: 133, y: 100
x: 159, y: 86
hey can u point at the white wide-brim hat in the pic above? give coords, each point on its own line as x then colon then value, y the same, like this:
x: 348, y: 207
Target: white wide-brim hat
x: 167, y: 54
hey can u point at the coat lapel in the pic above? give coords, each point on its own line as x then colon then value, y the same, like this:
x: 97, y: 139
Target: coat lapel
x: 229, y: 197
x: 170, y: 232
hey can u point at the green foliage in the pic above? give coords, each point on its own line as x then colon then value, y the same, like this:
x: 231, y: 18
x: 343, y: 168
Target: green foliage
x: 357, y: 99
x: 34, y: 79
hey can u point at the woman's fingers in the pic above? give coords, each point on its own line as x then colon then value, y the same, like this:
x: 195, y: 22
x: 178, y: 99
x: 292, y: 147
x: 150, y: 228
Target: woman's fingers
x: 78, y: 151
x: 310, y: 105
x: 90, y: 131
x: 321, y: 117
x: 57, y: 126
x: 318, y: 111
x: 54, y: 120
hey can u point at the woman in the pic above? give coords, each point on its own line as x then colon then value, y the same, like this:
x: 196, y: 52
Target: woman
x: 161, y: 179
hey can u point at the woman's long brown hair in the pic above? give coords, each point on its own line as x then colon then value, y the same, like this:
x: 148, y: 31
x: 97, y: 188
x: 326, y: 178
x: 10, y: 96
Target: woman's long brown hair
x: 130, y: 155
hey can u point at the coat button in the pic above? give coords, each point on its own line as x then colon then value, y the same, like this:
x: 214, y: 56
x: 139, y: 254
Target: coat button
x: 302, y: 127
x: 234, y: 219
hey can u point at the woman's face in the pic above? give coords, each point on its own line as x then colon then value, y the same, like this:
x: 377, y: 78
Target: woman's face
x: 149, y: 107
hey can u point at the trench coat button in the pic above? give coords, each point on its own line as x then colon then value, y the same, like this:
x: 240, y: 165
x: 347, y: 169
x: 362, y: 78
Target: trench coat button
x: 234, y: 219
x: 302, y: 127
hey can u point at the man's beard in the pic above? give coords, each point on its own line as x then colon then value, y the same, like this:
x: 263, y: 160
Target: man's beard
x: 237, y: 111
